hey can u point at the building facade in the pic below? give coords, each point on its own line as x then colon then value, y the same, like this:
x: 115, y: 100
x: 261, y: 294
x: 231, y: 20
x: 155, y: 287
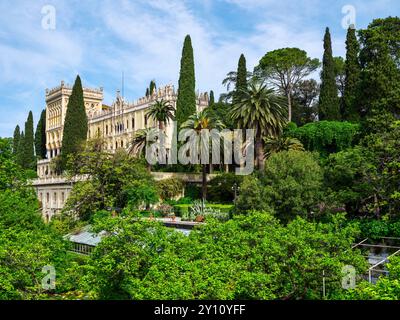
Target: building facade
x: 115, y: 124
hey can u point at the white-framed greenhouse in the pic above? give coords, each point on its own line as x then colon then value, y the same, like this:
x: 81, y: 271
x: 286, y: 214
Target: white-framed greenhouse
x: 378, y: 253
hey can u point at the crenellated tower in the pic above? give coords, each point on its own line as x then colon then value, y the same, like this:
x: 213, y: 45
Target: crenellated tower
x: 56, y: 108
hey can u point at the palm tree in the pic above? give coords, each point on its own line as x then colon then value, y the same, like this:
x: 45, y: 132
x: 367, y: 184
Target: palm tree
x: 229, y: 81
x: 162, y: 111
x: 262, y: 110
x: 231, y: 77
x: 139, y: 142
x: 278, y: 144
x: 199, y: 121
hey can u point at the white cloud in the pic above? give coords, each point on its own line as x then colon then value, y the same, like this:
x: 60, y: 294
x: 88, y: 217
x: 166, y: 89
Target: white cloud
x: 155, y: 35
x: 144, y: 39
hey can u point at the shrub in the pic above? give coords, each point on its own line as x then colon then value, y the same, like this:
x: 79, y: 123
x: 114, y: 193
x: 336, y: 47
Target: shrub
x: 170, y: 188
x: 326, y: 136
x: 251, y: 196
x: 375, y: 229
x: 181, y: 210
x: 221, y: 187
x: 293, y: 182
x: 192, y: 191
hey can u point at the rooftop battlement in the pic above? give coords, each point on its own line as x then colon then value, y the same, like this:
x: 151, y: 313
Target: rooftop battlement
x: 166, y: 92
x: 68, y: 88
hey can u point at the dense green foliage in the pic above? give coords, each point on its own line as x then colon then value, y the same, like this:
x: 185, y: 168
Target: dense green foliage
x: 221, y: 188
x: 305, y: 102
x: 365, y: 178
x: 26, y: 244
x: 170, y: 188
x: 152, y: 87
x: 386, y: 288
x: 211, y: 98
x: 20, y: 149
x: 264, y: 260
x: 76, y: 123
x: 328, y: 97
x: 251, y: 196
x: 380, y: 76
x: 12, y: 177
x: 293, y: 185
x: 16, y: 139
x: 282, y: 143
x: 116, y: 180
x: 221, y: 111
x: 241, y: 79
x: 326, y: 136
x: 40, y: 136
x: 186, y: 101
x: 273, y: 234
x: 352, y: 80
x: 286, y: 68
x: 27, y: 154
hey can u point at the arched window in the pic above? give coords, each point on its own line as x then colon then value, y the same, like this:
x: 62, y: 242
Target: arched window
x: 106, y: 129
x: 122, y: 144
x: 116, y: 145
x: 133, y: 123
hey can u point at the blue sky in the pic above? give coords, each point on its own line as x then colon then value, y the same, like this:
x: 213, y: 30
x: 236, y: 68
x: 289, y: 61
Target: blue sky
x: 100, y: 39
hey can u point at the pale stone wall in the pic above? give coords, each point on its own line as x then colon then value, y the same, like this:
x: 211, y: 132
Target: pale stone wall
x: 52, y: 194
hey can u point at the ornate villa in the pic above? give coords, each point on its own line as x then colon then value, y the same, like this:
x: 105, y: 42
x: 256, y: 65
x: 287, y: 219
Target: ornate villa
x: 116, y: 124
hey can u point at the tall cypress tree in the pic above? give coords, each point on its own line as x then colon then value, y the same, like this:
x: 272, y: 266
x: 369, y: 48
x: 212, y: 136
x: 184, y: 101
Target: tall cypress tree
x: 328, y: 98
x: 211, y: 99
x: 380, y: 75
x: 28, y: 152
x: 20, y: 149
x: 40, y: 136
x: 152, y: 87
x: 352, y: 80
x: 186, y: 101
x: 76, y: 123
x: 17, y: 137
x: 241, y: 78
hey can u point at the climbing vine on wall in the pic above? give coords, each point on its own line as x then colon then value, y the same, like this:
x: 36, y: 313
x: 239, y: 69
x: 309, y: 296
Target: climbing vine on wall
x: 326, y: 136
